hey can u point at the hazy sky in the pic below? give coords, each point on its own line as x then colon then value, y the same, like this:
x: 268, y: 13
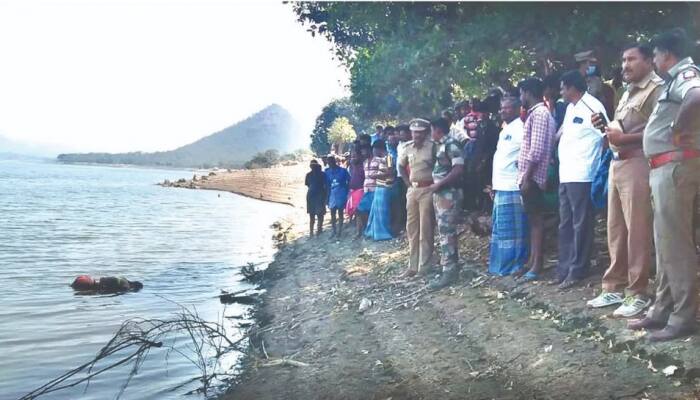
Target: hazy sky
x: 96, y: 75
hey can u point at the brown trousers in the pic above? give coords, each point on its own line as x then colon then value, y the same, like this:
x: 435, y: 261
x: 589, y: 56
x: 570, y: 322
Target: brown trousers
x: 420, y: 222
x: 673, y: 189
x: 630, y: 227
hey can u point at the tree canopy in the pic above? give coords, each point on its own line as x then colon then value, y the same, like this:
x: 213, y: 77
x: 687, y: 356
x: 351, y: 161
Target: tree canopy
x: 409, y: 59
x: 341, y: 132
x: 337, y: 108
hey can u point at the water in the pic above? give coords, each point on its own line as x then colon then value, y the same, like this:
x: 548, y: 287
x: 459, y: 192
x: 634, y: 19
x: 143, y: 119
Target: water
x: 59, y: 221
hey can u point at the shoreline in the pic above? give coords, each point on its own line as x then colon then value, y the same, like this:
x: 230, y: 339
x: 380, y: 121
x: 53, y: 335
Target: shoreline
x: 280, y: 184
x: 485, y: 337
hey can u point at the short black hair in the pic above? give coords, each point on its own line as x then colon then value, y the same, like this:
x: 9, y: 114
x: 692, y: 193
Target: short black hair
x: 378, y: 127
x: 513, y: 99
x: 403, y: 127
x: 379, y: 144
x: 574, y: 79
x: 388, y: 129
x: 644, y: 49
x: 442, y: 124
x: 364, y: 137
x: 674, y: 41
x: 533, y: 86
x: 552, y: 81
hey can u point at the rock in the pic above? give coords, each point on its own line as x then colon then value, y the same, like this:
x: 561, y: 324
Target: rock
x: 232, y: 298
x: 212, y: 173
x: 365, y: 305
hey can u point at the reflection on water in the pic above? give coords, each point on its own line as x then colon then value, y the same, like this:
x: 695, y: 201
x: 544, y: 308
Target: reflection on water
x: 60, y: 221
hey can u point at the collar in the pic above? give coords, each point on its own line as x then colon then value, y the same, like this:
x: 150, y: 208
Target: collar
x: 583, y: 96
x: 682, y: 64
x: 644, y: 82
x: 541, y: 103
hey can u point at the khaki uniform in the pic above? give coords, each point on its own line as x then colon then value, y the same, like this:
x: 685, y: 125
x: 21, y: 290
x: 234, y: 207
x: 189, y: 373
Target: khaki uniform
x: 629, y: 195
x: 419, y: 203
x: 673, y: 189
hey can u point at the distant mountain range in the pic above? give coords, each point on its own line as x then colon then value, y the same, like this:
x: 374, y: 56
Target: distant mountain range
x: 271, y: 128
x: 16, y: 149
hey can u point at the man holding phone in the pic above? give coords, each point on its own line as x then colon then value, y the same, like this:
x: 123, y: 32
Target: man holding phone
x: 629, y: 195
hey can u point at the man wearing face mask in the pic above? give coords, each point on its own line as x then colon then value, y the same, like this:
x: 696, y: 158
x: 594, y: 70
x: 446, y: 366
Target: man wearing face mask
x: 587, y: 65
x: 672, y: 146
x: 629, y: 196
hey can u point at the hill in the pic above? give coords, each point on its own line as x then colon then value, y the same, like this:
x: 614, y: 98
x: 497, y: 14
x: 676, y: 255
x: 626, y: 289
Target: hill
x: 271, y: 128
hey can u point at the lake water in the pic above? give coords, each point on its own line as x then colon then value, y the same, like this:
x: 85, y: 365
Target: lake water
x: 59, y: 221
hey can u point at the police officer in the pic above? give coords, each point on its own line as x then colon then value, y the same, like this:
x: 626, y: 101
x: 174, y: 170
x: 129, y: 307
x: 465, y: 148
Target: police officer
x: 629, y: 199
x: 447, y: 200
x: 416, y: 161
x: 672, y: 146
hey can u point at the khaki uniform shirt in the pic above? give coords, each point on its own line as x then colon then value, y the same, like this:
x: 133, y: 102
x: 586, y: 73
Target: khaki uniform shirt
x: 420, y: 161
x: 635, y: 108
x: 658, y: 135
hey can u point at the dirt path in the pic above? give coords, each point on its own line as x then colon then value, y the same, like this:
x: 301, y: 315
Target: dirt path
x: 481, y: 339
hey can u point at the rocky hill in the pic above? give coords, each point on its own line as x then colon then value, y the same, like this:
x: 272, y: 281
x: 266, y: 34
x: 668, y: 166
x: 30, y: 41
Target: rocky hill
x: 271, y: 128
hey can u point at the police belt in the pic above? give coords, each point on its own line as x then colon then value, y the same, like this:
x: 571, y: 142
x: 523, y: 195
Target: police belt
x: 627, y: 154
x: 670, y: 156
x: 421, y: 184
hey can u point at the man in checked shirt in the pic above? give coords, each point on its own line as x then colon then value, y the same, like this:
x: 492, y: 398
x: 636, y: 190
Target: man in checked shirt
x: 533, y: 161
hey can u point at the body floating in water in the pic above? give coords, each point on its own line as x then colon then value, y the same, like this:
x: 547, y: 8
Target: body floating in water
x: 109, y: 284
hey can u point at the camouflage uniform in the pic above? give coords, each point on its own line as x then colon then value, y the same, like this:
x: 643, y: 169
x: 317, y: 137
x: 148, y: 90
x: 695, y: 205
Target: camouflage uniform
x: 447, y: 202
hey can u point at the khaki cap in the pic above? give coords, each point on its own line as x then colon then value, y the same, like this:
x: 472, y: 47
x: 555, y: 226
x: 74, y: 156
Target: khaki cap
x: 585, y: 56
x: 419, y: 124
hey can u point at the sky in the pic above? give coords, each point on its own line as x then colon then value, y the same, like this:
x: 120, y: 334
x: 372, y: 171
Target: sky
x: 148, y: 75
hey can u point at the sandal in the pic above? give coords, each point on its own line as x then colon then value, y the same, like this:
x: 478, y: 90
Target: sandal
x: 531, y: 277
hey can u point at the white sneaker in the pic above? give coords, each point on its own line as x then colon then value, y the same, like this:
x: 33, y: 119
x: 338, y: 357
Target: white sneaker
x: 606, y: 299
x: 631, y: 307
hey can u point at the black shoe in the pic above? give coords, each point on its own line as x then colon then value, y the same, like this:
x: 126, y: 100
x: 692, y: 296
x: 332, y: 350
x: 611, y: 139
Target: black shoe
x: 447, y: 278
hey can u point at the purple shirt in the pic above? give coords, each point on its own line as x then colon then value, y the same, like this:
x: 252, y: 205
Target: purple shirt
x: 357, y: 176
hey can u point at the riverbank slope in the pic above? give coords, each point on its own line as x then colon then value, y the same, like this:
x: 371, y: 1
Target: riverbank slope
x: 280, y: 184
x: 337, y: 322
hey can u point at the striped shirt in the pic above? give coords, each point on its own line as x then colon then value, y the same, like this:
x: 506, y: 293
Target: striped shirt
x: 371, y: 171
x: 538, y: 141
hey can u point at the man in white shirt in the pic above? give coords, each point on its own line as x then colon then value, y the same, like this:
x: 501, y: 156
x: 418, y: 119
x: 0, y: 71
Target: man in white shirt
x: 580, y: 148
x: 509, y: 238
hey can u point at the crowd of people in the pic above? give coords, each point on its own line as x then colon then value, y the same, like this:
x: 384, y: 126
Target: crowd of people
x: 569, y: 143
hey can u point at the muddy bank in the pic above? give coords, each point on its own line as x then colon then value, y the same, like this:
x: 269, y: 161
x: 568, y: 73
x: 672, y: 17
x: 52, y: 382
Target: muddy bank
x: 280, y: 184
x: 484, y: 338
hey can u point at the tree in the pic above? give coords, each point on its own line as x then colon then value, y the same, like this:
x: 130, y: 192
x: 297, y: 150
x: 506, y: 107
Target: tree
x: 336, y: 108
x: 341, y: 132
x: 414, y: 59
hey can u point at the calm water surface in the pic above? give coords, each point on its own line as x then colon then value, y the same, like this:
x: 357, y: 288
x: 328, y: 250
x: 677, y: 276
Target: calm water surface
x: 58, y: 221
